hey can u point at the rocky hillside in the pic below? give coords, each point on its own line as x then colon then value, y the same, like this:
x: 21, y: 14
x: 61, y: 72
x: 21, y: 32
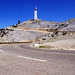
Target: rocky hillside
x: 67, y: 25
x: 34, y: 30
x: 71, y: 21
x: 14, y: 35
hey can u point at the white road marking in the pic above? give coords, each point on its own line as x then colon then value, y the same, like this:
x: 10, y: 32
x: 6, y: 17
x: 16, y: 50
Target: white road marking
x: 1, y: 51
x: 32, y: 59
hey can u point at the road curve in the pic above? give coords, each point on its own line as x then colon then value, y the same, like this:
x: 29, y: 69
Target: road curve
x: 56, y: 62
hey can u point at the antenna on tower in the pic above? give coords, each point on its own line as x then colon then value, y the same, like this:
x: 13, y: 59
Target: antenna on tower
x: 36, y: 4
x: 35, y: 7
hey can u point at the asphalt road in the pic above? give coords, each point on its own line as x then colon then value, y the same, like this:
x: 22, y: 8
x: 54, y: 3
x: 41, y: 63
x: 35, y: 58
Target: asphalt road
x: 21, y: 59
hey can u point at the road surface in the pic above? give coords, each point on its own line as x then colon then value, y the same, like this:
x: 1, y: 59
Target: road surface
x: 21, y: 59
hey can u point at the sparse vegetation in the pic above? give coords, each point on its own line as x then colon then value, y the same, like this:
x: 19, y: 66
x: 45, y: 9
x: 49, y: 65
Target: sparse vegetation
x: 15, y: 25
x: 64, y: 33
x: 48, y: 47
x: 52, y: 35
x: 5, y: 31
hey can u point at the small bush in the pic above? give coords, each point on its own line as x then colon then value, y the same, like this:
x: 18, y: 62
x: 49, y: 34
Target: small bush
x: 46, y: 47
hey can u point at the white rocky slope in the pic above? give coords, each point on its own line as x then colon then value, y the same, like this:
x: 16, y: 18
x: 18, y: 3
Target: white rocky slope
x: 15, y: 34
x: 39, y: 24
x: 69, y: 28
x: 20, y: 36
x: 69, y: 25
x: 60, y: 40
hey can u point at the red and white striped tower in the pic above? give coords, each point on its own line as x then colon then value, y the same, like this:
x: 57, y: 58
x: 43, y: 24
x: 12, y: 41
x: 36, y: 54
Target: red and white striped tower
x: 35, y: 14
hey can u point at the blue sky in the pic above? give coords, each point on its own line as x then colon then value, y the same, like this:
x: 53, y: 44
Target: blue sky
x: 52, y: 10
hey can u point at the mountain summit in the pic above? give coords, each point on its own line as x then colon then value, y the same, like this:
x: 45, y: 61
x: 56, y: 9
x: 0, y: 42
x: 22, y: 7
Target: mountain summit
x: 32, y: 30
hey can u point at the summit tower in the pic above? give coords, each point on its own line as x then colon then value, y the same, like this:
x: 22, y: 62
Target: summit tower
x: 35, y: 14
